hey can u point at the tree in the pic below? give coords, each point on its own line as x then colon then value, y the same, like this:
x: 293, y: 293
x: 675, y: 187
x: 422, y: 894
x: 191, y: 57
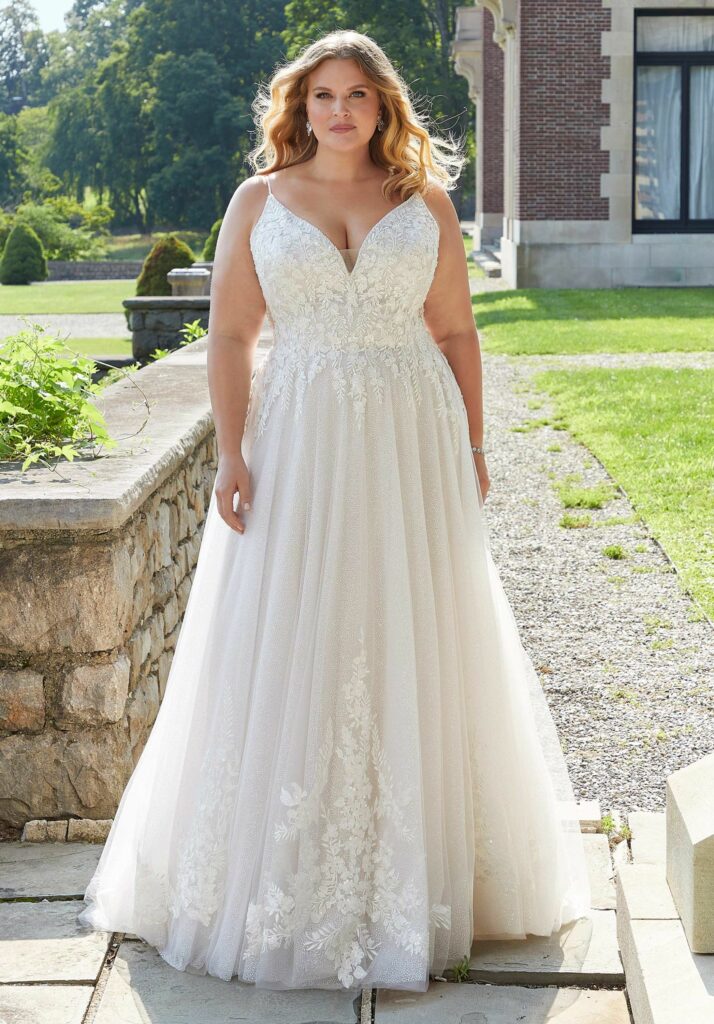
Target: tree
x: 12, y: 159
x: 22, y: 54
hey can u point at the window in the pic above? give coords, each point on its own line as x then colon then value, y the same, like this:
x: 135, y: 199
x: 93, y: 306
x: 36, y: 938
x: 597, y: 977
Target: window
x: 673, y: 123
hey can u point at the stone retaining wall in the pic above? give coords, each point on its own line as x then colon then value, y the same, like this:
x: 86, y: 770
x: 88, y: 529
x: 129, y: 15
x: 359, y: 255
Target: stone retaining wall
x: 96, y: 563
x: 93, y: 270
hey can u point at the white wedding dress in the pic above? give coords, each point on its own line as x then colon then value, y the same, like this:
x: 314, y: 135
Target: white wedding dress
x: 354, y: 772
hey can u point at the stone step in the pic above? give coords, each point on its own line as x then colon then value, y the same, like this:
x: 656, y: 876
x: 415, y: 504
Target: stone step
x: 487, y: 262
x: 446, y: 1003
x: 666, y: 982
x: 649, y: 837
x: 582, y: 953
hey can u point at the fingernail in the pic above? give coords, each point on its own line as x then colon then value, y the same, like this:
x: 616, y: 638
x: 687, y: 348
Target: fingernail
x: 247, y: 505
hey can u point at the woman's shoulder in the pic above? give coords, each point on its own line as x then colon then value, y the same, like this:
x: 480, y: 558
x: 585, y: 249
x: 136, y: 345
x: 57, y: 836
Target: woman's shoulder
x: 438, y: 200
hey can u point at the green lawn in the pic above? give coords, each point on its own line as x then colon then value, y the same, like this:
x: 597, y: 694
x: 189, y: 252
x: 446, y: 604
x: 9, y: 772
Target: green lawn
x: 540, y: 321
x: 653, y: 430
x: 65, y: 297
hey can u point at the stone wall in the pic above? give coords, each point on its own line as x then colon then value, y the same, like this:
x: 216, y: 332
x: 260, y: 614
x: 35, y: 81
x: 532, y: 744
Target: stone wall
x: 96, y: 563
x: 93, y: 270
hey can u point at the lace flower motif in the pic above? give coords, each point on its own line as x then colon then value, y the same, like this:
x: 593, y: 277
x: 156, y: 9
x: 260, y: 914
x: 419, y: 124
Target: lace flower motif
x: 347, y: 882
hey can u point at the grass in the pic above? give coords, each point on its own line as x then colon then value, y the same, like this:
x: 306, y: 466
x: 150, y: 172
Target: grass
x: 48, y: 297
x: 535, y: 321
x: 653, y: 430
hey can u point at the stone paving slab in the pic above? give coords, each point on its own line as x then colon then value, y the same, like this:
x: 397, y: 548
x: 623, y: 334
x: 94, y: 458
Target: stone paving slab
x: 43, y: 942
x: 666, y: 982
x: 582, y: 953
x: 46, y: 869
x: 643, y: 892
x: 600, y: 871
x: 142, y: 987
x: 649, y: 836
x: 44, y: 1004
x: 447, y: 1003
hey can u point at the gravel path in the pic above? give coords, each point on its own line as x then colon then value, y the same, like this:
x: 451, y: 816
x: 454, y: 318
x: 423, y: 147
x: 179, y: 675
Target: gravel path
x: 627, y: 673
x: 69, y: 325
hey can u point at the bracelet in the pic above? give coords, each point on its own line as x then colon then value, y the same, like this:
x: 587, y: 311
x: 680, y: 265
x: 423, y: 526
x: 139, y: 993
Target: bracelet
x: 477, y: 448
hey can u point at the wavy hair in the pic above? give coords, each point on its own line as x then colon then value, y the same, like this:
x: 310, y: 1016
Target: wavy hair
x: 406, y: 148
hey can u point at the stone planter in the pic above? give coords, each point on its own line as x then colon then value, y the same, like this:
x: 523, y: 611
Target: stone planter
x: 155, y: 320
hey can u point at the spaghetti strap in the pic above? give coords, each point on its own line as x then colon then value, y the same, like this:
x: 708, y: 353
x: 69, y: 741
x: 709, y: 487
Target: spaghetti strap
x: 267, y: 180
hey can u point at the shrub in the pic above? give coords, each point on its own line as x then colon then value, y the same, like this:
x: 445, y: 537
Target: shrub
x: 23, y: 259
x: 209, y: 249
x: 167, y: 254
x: 65, y: 227
x: 45, y: 406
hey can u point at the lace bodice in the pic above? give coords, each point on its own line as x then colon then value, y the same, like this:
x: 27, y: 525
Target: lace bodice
x: 365, y: 328
x: 312, y: 297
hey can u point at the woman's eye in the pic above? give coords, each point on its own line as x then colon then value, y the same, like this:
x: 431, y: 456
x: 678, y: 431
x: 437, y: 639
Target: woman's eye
x: 354, y: 92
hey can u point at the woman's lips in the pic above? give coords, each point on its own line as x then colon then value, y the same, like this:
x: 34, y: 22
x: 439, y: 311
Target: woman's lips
x: 343, y: 128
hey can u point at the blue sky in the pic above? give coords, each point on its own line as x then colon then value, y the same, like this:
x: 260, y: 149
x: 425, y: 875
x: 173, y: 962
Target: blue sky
x: 51, y: 13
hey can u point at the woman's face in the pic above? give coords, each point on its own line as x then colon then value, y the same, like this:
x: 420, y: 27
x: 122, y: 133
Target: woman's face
x: 339, y: 94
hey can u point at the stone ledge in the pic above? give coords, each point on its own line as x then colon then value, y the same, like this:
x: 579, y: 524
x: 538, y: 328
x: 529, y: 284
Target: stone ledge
x: 666, y: 982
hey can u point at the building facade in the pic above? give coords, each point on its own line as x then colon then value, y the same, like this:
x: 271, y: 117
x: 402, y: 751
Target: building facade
x: 595, y: 139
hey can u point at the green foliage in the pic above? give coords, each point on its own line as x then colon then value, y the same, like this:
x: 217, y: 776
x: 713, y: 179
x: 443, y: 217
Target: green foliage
x: 209, y: 249
x: 12, y: 160
x: 64, y: 227
x: 23, y: 258
x: 5, y: 228
x: 46, y: 410
x: 192, y: 331
x: 167, y: 254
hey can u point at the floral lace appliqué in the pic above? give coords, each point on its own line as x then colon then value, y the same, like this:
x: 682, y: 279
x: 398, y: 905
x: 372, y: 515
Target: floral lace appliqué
x: 356, y: 374
x: 347, y: 881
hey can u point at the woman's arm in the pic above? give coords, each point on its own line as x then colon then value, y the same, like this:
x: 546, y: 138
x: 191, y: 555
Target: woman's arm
x: 236, y: 317
x: 449, y: 317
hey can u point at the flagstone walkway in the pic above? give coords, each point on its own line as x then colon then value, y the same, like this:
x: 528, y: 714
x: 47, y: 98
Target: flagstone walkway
x: 53, y: 972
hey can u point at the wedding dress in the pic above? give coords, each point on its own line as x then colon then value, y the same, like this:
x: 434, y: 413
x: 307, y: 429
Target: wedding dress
x: 354, y: 772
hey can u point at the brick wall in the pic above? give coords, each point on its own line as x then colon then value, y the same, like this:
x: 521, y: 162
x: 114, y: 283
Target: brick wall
x: 558, y: 155
x: 492, y: 107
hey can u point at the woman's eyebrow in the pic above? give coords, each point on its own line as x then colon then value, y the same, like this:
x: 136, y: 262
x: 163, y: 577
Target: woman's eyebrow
x: 361, y: 84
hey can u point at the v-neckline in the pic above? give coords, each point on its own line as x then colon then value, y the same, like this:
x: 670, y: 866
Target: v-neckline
x: 337, y: 251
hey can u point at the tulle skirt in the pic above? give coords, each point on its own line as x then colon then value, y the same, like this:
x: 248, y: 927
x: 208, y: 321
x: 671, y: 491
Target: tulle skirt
x: 354, y: 772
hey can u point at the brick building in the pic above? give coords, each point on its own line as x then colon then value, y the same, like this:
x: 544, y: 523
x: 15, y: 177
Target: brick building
x: 595, y: 139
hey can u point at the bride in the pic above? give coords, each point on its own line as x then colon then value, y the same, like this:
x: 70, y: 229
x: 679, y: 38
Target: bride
x: 354, y: 773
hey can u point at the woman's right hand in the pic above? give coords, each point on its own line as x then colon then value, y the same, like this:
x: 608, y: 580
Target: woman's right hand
x: 233, y: 476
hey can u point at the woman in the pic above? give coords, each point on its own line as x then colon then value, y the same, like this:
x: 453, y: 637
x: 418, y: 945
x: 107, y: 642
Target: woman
x: 354, y: 772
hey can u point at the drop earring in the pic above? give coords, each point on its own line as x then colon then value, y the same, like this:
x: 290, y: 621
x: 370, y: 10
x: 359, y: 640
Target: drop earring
x: 309, y: 127
x: 380, y: 123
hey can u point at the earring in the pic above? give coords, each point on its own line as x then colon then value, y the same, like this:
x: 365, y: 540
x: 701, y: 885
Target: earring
x: 380, y: 123
x: 309, y: 127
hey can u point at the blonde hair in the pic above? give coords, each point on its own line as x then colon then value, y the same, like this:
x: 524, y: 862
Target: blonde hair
x: 405, y: 147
